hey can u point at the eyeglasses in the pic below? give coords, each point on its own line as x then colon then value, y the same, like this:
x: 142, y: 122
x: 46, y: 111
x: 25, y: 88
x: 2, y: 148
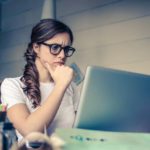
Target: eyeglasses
x: 55, y: 49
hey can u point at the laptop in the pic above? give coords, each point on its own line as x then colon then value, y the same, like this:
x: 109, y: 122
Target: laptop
x: 114, y: 100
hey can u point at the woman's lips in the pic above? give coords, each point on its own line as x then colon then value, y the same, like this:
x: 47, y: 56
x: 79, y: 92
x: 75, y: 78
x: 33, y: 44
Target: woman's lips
x: 59, y: 63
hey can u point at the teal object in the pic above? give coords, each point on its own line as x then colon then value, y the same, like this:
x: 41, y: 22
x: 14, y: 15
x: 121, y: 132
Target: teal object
x: 78, y: 75
x: 81, y: 139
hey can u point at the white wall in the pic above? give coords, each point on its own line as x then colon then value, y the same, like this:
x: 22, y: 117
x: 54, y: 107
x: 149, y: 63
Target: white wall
x: 111, y: 33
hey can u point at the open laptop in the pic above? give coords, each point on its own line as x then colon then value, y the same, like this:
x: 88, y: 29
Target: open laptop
x: 114, y: 100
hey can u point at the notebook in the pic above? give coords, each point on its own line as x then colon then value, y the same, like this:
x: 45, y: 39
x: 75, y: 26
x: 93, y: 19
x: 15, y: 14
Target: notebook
x: 114, y: 100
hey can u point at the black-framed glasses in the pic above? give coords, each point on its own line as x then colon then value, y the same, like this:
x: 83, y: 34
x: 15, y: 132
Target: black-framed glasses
x: 55, y: 49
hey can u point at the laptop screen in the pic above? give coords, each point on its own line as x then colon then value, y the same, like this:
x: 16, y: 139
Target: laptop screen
x: 114, y: 100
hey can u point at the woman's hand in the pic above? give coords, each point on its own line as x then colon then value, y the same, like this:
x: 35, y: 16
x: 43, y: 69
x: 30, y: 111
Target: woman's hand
x: 62, y: 75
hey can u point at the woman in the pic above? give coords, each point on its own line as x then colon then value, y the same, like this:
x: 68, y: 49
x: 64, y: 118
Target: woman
x: 44, y: 97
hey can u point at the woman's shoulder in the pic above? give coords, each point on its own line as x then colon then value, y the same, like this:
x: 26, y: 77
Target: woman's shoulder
x: 12, y: 92
x: 14, y: 79
x: 12, y: 82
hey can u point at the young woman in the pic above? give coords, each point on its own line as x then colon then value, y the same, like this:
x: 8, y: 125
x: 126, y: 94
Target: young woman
x: 44, y: 96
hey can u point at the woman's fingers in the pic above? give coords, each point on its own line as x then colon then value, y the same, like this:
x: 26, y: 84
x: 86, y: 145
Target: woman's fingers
x: 61, y: 74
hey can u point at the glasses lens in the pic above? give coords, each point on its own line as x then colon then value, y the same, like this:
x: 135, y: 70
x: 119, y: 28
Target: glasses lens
x: 55, y: 49
x: 69, y: 51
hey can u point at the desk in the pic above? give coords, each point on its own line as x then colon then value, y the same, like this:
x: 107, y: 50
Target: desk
x: 79, y: 139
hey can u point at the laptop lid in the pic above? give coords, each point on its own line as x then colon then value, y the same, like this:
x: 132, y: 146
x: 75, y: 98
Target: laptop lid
x: 114, y: 100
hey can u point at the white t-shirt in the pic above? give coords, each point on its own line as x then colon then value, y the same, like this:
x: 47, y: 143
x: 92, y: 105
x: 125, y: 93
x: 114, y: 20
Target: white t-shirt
x: 12, y: 93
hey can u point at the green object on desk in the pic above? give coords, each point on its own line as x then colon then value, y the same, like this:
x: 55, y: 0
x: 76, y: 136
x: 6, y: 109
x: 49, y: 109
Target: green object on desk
x: 80, y: 139
x: 1, y: 107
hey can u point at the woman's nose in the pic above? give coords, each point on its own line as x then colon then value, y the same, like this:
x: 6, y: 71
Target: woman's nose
x: 62, y: 54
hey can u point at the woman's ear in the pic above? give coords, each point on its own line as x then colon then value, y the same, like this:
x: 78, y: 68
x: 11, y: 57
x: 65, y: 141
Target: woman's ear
x: 36, y: 48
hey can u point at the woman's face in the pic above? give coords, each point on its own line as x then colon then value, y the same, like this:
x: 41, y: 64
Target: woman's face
x: 43, y: 51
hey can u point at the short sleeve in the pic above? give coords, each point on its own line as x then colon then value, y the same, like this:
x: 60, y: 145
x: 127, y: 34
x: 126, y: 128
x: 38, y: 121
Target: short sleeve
x: 11, y: 92
x: 76, y: 96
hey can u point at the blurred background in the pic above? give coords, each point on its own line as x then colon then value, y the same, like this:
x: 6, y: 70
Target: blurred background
x: 109, y: 33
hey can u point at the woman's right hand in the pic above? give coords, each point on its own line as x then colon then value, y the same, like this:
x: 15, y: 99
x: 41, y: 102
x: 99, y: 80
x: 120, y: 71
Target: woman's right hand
x: 62, y: 75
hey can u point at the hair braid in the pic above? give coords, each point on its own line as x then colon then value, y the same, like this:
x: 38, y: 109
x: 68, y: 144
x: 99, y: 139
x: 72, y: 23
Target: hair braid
x: 31, y: 77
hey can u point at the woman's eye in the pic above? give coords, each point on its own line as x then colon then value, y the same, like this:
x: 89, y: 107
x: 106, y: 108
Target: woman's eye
x: 55, y: 47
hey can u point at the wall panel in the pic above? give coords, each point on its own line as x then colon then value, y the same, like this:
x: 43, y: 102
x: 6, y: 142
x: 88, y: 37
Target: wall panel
x: 102, y: 15
x: 12, y: 69
x: 13, y: 53
x: 114, y: 33
x: 18, y: 18
x: 15, y: 37
x: 23, y: 19
x: 69, y: 7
